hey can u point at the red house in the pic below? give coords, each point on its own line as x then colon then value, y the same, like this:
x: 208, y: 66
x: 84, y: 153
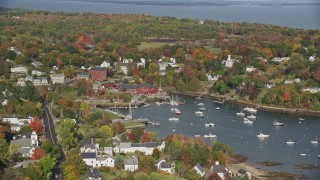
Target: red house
x: 98, y: 73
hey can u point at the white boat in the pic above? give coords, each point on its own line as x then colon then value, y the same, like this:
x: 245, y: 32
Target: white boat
x: 261, y: 135
x: 241, y: 114
x: 197, y: 135
x: 173, y: 119
x: 173, y: 109
x: 202, y: 115
x: 177, y: 111
x: 210, y: 135
x: 200, y: 104
x: 251, y: 110
x: 198, y: 113
x: 146, y: 105
x: 303, y: 154
x: 290, y: 142
x: 247, y: 121
x: 301, y: 119
x: 315, y: 141
x: 251, y: 116
x: 158, y: 103
x: 209, y: 124
x: 277, y: 123
x: 199, y: 97
x: 218, y: 108
x: 202, y: 108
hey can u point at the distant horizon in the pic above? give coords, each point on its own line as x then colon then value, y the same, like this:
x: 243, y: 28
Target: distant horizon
x: 293, y: 16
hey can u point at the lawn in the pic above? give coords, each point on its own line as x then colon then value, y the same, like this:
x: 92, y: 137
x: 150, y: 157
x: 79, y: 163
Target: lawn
x: 145, y: 45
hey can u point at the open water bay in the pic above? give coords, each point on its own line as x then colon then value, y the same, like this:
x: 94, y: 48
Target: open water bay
x: 231, y: 130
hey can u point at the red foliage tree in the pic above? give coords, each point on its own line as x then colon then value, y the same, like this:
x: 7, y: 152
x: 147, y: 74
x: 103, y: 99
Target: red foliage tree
x: 38, y: 153
x: 132, y: 137
x: 214, y: 176
x: 146, y: 137
x: 287, y: 96
x: 36, y: 125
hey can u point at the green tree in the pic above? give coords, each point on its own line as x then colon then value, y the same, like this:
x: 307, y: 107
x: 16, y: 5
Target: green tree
x: 47, y: 164
x: 68, y: 134
x: 3, y: 151
x: 141, y: 176
x: 75, y: 160
x: 225, y: 148
x: 192, y: 175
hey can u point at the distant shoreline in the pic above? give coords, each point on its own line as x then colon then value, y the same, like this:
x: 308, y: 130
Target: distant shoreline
x: 301, y: 112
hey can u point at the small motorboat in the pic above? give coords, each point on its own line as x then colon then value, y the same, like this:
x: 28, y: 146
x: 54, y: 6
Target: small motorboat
x: 199, y: 113
x: 210, y: 135
x: 200, y: 104
x: 303, y: 154
x: 218, y: 108
x: 247, y: 121
x: 173, y: 119
x: 251, y: 116
x: 146, y: 105
x: 209, y: 125
x: 241, y: 114
x: 315, y: 141
x: 301, y: 119
x: 290, y: 142
x: 177, y: 111
x: 197, y: 135
x: 261, y: 135
x: 202, y: 108
x: 277, y: 123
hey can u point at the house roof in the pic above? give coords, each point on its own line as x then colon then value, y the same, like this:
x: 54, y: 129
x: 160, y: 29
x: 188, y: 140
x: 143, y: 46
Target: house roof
x: 165, y: 165
x: 26, y: 163
x: 125, y: 145
x: 151, y: 144
x: 98, y: 68
x: 159, y: 160
x: 147, y: 85
x: 129, y: 86
x: 104, y: 158
x: 138, y: 145
x: 218, y: 168
x: 198, y: 166
x: 88, y: 141
x: 89, y: 155
x: 24, y: 142
x: 131, y: 161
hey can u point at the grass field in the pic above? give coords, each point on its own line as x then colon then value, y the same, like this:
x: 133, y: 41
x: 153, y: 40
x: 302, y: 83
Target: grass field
x: 145, y: 45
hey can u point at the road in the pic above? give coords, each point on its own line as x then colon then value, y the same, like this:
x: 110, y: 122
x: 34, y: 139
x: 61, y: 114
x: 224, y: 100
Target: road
x: 52, y: 136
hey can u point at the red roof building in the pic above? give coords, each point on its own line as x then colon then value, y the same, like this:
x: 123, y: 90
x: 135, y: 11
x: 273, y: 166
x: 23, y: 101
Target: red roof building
x: 98, y: 74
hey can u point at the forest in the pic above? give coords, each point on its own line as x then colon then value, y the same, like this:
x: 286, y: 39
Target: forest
x: 72, y: 40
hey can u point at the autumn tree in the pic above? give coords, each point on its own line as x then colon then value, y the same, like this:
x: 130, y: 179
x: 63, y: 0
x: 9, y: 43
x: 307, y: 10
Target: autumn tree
x: 118, y: 127
x: 38, y: 153
x: 71, y: 173
x: 36, y: 125
x: 107, y: 131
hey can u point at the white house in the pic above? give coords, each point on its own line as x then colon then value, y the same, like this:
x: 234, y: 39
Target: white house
x: 142, y: 63
x: 21, y: 82
x: 220, y: 170
x: 280, y: 59
x: 162, y: 165
x: 105, y: 64
x: 37, y: 73
x: 200, y: 170
x: 19, y: 70
x: 36, y: 64
x: 311, y: 90
x: 91, y: 159
x: 15, y: 49
x: 167, y: 167
x: 28, y: 78
x: 250, y: 69
x: 214, y: 78
x: 16, y: 120
x: 146, y: 148
x: 26, y: 145
x: 15, y: 127
x: 57, y: 78
x: 312, y: 58
x: 131, y: 164
x: 229, y: 62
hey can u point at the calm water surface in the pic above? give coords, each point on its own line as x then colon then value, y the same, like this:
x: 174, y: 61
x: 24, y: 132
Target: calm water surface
x: 230, y: 129
x: 307, y: 17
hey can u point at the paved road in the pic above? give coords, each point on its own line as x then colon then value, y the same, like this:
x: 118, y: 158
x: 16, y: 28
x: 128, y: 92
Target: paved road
x: 52, y: 136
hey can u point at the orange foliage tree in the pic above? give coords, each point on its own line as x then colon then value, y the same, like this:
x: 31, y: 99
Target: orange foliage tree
x: 38, y: 153
x: 36, y: 125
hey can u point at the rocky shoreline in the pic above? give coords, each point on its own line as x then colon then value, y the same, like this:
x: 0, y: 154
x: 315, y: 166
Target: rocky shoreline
x: 220, y: 98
